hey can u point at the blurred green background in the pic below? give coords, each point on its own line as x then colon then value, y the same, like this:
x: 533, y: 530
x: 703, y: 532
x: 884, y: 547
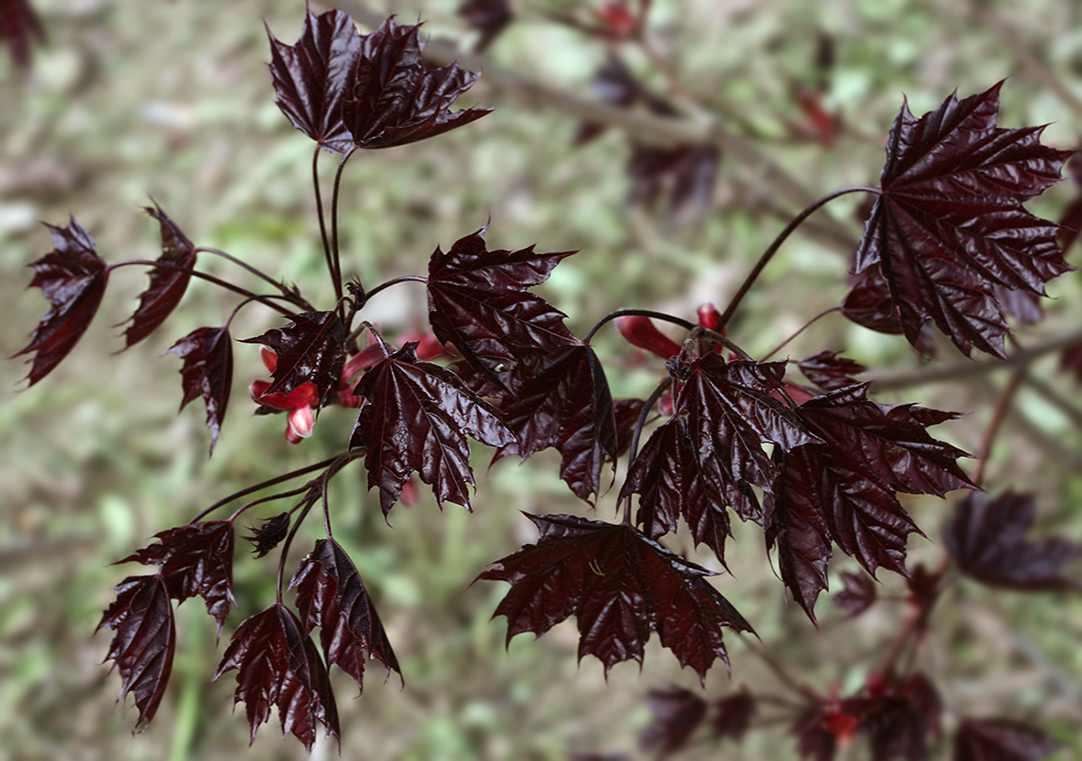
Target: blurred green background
x: 173, y: 100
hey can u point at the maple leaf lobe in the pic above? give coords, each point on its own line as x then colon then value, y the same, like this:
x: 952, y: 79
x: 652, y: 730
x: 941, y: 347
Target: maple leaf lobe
x: 72, y: 277
x: 949, y: 227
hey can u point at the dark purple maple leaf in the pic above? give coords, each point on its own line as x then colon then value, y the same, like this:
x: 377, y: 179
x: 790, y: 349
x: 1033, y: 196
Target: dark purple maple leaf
x: 798, y: 530
x: 844, y: 489
x: 615, y: 84
x: 987, y: 538
x: 733, y: 714
x: 144, y: 643
x: 194, y: 559
x: 1000, y: 740
x: 477, y: 300
x: 19, y: 27
x: 394, y: 99
x: 562, y: 400
x: 859, y: 594
x: 312, y: 77
x: 167, y: 285
x: 309, y: 350
x: 731, y: 412
x: 270, y: 534
x: 949, y: 226
x: 278, y: 664
x: 331, y: 595
x: 677, y: 714
x: 620, y: 586
x: 73, y: 278
x: 829, y: 372
x: 415, y: 417
x: 208, y: 372
x: 682, y: 174
x: 670, y: 485
x: 490, y: 17
x: 869, y: 304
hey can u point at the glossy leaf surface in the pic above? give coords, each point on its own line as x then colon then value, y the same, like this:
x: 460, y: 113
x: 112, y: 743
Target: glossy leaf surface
x: 72, y: 277
x: 415, y: 418
x: 310, y: 350
x: 562, y: 400
x: 195, y: 559
x: 395, y: 98
x: 477, y: 300
x: 207, y: 372
x: 620, y: 586
x: 167, y: 285
x: 949, y: 225
x: 144, y: 643
x: 277, y: 664
x: 313, y: 77
x: 331, y: 595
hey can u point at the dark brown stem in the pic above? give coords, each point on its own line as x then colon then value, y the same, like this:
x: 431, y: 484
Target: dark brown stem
x: 292, y: 297
x: 323, y: 226
x: 638, y: 313
x: 1002, y: 405
x: 308, y: 502
x: 802, y: 328
x: 336, y: 263
x: 963, y: 370
x: 271, y: 498
x: 396, y: 281
x: 260, y: 486
x: 262, y: 299
x: 769, y: 253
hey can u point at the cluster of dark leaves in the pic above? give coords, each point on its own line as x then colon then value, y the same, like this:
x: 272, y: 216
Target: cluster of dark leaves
x: 524, y: 383
x: 898, y: 718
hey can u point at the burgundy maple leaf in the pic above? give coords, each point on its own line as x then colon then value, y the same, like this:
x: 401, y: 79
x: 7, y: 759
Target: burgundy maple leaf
x: 677, y: 714
x: 167, y: 285
x: 733, y: 714
x: 313, y: 77
x: 195, y: 559
x: 415, y: 417
x: 670, y: 485
x: 309, y: 350
x: 949, y: 226
x: 477, y: 300
x: 19, y: 26
x: 395, y: 99
x: 1001, y: 740
x: 620, y: 586
x: 859, y: 594
x: 901, y: 717
x: 562, y: 400
x: 145, y: 641
x: 731, y: 412
x: 72, y: 277
x: 682, y: 174
x: 987, y: 538
x: 331, y: 595
x: 844, y: 488
x: 490, y: 17
x: 278, y: 664
x: 830, y: 372
x: 208, y: 372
